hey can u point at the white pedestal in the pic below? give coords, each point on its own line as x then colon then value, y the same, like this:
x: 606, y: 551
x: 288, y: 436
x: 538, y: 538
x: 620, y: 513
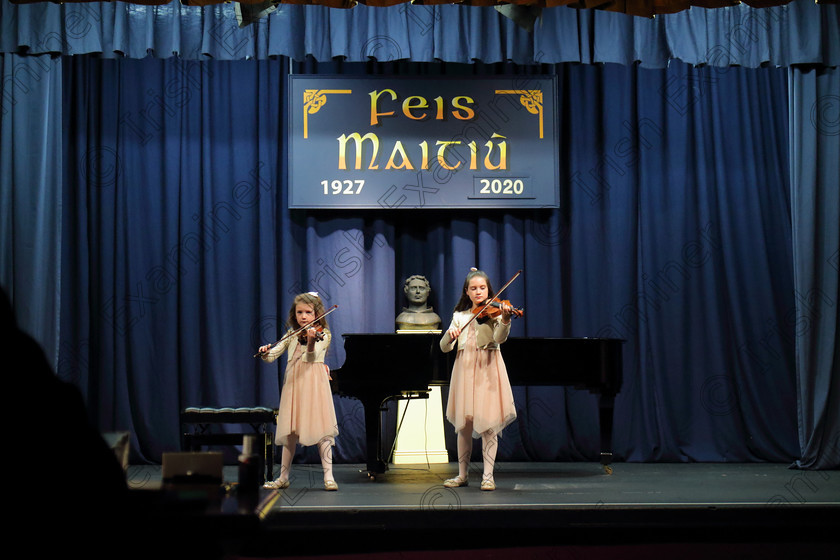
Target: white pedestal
x: 420, y: 437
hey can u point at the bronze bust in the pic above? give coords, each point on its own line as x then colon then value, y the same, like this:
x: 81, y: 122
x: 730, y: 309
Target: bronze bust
x: 418, y: 315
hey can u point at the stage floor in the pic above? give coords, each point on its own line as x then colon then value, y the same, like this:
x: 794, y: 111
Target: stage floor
x: 563, y: 485
x: 770, y: 509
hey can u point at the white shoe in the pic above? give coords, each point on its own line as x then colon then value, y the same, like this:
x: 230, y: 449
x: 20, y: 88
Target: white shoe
x: 456, y: 482
x: 276, y: 484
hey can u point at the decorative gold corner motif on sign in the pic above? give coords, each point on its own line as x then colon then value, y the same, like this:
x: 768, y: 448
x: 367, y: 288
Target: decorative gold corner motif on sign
x: 313, y: 100
x: 531, y: 99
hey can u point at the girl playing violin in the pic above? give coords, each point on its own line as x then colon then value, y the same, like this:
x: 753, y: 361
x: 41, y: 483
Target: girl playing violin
x: 306, y: 414
x: 480, y: 398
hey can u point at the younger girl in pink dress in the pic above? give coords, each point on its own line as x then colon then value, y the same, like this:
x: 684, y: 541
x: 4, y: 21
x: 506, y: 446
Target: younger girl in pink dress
x: 306, y: 414
x: 480, y: 398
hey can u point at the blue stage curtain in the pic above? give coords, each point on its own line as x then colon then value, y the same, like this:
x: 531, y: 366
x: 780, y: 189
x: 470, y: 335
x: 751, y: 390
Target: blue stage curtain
x: 815, y: 193
x: 672, y: 177
x: 170, y: 228
x: 796, y: 33
x: 30, y: 193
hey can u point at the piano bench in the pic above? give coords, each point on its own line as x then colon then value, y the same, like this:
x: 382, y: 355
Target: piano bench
x: 197, y: 429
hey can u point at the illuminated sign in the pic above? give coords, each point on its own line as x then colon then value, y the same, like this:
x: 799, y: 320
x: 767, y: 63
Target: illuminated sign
x: 410, y: 143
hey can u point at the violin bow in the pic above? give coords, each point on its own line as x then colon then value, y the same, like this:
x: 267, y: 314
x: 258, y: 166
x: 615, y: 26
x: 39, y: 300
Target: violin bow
x: 491, y: 300
x: 295, y: 332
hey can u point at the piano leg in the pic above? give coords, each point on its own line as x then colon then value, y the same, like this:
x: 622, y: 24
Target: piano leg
x: 373, y: 435
x: 605, y: 406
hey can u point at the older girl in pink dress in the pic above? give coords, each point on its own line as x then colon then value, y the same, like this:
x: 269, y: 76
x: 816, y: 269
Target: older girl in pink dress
x: 306, y: 414
x: 480, y: 398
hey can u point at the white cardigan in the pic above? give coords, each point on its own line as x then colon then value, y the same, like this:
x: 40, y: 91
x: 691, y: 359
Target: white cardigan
x: 487, y: 336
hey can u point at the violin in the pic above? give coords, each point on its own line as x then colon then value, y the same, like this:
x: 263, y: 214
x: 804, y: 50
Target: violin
x: 319, y: 333
x: 492, y: 309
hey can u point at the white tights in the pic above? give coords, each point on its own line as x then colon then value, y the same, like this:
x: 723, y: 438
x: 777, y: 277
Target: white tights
x: 489, y: 445
x: 288, y: 453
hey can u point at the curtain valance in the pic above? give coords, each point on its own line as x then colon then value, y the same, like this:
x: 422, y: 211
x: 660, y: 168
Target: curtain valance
x: 799, y: 32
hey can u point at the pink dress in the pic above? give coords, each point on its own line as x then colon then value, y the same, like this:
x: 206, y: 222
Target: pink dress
x: 306, y: 403
x: 479, y: 389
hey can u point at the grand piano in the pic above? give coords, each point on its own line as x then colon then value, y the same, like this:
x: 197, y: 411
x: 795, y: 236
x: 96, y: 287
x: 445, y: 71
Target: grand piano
x: 381, y: 367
